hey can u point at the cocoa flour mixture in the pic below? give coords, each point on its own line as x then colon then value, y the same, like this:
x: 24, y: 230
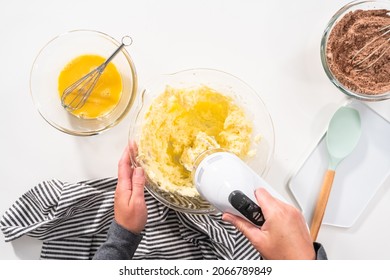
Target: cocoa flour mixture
x: 354, y: 31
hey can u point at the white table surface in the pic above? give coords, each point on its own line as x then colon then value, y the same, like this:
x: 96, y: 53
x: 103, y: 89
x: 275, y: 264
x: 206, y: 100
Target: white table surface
x: 272, y: 45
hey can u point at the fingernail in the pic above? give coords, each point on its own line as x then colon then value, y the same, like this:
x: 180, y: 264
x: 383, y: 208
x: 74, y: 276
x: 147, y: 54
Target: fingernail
x: 226, y: 217
x: 131, y: 144
x: 139, y: 171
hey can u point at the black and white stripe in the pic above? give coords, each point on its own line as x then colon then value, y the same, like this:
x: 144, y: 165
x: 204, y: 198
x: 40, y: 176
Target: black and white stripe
x: 73, y: 220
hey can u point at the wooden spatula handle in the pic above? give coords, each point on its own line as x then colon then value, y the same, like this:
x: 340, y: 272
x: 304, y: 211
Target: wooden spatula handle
x: 321, y: 204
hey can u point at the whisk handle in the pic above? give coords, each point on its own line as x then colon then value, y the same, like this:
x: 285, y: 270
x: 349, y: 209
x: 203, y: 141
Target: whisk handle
x: 126, y: 41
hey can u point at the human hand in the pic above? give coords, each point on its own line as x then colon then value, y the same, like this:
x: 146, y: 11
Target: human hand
x: 284, y: 234
x: 129, y: 203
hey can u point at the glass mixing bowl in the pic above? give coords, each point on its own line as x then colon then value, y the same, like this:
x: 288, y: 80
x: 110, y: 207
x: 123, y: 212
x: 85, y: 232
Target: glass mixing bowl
x: 353, y: 6
x: 52, y: 59
x: 227, y: 84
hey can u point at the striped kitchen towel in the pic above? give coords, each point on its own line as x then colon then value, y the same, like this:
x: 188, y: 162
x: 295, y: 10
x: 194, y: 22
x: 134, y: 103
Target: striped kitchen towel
x: 72, y: 219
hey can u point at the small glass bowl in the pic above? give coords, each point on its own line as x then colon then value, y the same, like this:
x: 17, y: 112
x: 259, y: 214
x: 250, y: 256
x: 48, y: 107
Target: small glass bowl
x: 227, y: 84
x: 52, y: 59
x: 352, y: 6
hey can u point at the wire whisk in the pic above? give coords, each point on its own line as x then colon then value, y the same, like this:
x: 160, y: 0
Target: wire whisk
x: 373, y: 51
x: 75, y: 96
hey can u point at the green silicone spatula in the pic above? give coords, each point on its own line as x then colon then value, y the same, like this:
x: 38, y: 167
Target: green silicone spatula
x: 342, y: 137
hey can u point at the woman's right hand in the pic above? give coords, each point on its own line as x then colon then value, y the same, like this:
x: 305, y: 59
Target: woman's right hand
x: 284, y: 234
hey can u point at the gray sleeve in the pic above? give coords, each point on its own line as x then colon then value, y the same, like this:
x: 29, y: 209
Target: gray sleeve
x: 120, y: 244
x: 320, y: 251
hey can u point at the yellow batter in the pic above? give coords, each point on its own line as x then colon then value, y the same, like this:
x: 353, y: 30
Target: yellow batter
x: 180, y: 125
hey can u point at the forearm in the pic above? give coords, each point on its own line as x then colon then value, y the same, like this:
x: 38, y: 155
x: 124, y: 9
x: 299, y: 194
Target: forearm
x: 120, y: 244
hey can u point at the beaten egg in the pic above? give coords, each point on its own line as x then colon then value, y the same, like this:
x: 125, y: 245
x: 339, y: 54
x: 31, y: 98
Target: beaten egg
x: 106, y: 93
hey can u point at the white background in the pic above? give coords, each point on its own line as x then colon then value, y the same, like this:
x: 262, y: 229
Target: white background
x: 272, y: 45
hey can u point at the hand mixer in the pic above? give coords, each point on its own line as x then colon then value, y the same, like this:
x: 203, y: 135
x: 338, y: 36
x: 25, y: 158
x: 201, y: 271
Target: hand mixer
x: 229, y: 184
x: 75, y: 96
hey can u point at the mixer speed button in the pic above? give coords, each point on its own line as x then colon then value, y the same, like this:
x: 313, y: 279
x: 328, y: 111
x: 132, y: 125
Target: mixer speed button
x: 247, y: 207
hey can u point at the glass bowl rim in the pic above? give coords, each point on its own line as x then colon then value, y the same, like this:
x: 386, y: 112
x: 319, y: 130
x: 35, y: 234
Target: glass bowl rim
x: 138, y: 107
x: 113, y: 123
x: 324, y: 40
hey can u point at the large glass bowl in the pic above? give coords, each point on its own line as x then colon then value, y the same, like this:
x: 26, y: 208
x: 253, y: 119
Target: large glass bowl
x: 52, y: 59
x: 227, y: 84
x: 353, y: 6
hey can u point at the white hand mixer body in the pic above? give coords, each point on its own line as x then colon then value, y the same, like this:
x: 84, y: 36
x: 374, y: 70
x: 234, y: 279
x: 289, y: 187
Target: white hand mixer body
x: 229, y: 184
